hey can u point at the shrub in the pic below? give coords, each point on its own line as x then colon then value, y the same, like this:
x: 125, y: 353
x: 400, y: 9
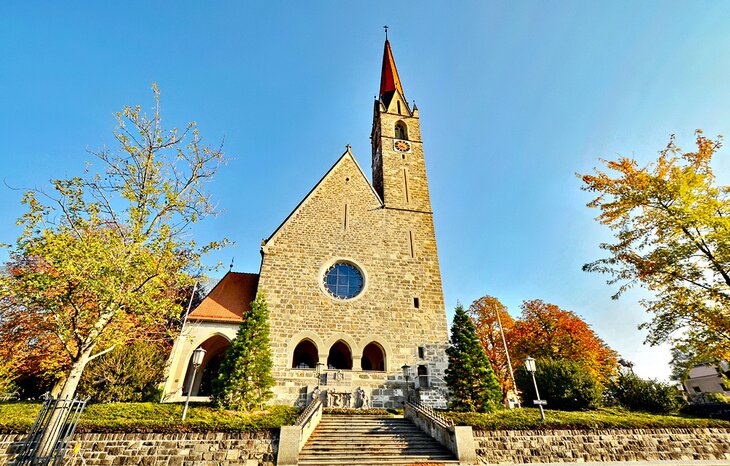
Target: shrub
x: 129, y: 373
x: 565, y: 384
x: 720, y: 398
x: 633, y: 392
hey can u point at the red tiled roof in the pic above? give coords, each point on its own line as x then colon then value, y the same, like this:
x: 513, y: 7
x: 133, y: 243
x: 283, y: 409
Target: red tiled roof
x: 228, y: 300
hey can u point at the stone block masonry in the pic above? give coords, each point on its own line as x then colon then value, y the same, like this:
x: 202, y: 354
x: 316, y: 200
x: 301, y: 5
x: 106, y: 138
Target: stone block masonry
x: 184, y: 449
x: 492, y: 447
x: 578, y: 446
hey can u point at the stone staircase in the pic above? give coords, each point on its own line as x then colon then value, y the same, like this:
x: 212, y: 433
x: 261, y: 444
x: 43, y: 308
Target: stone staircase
x: 371, y: 440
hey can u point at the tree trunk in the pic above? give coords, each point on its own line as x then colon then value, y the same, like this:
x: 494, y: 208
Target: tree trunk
x: 55, y: 427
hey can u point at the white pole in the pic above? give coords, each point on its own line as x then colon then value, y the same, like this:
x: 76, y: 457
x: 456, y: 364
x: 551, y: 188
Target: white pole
x: 509, y: 362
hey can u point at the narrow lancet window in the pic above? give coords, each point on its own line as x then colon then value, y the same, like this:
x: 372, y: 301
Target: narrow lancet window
x: 405, y: 185
x: 401, y: 132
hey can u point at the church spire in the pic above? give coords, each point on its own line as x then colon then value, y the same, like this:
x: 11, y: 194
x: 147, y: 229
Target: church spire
x: 389, y: 80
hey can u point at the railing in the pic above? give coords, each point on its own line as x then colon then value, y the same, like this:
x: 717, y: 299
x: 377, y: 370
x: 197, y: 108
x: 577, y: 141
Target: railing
x: 51, y: 433
x: 311, y: 408
x: 293, y: 438
x: 430, y: 413
x: 458, y: 439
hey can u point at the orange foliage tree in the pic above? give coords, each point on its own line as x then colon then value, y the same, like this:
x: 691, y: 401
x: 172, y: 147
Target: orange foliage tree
x: 484, y: 313
x: 546, y: 331
x: 671, y: 221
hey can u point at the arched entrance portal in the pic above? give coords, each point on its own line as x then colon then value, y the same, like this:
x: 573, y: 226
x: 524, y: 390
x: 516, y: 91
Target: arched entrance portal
x: 340, y: 356
x: 215, y: 348
x: 373, y: 358
x: 306, y: 355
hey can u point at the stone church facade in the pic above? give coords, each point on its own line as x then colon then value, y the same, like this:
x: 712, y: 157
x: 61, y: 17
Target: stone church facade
x: 351, y: 278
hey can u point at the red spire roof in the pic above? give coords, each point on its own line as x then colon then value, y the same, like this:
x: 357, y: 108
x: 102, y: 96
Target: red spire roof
x: 389, y: 80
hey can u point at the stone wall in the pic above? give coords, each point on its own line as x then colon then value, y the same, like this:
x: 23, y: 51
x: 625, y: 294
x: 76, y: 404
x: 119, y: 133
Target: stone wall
x: 574, y: 446
x: 189, y: 449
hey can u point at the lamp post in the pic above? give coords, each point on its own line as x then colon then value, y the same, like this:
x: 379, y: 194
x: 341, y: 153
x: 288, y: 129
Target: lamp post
x: 530, y: 366
x: 318, y: 372
x: 198, y: 356
x: 407, y: 376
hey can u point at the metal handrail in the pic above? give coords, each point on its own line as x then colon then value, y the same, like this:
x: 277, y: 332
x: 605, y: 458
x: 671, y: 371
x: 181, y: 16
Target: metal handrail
x: 311, y: 408
x: 431, y: 414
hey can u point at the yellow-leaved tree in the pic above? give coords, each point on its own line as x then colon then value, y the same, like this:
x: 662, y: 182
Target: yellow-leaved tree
x: 102, y: 257
x: 672, y: 227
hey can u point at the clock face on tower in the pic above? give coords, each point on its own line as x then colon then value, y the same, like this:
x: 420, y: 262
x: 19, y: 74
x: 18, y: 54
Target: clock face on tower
x: 401, y: 146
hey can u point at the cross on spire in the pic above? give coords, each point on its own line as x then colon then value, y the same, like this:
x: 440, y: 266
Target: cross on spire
x: 386, y: 32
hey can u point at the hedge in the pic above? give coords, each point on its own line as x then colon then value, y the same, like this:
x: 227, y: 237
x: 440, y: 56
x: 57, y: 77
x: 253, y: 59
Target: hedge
x: 603, y: 418
x: 165, y: 418
x: 153, y: 417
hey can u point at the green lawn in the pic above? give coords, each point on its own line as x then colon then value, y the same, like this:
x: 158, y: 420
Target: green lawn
x: 154, y: 417
x: 603, y: 418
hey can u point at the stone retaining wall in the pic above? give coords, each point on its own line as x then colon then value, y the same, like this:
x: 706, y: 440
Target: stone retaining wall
x: 259, y: 448
x: 605, y: 445
x: 189, y: 449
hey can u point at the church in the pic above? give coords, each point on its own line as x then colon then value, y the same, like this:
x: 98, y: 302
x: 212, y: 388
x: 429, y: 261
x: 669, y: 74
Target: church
x: 352, y: 282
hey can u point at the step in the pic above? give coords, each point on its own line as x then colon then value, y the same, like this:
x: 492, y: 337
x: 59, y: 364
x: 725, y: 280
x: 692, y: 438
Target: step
x: 359, y: 460
x: 361, y: 440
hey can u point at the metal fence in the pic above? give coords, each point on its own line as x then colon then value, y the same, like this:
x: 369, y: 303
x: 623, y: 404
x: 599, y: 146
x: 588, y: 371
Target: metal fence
x: 49, y: 438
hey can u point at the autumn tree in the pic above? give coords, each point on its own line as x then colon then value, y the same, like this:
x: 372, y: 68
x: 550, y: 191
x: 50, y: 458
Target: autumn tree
x: 672, y: 228
x: 488, y: 314
x: 546, y: 331
x: 244, y: 381
x: 101, y: 256
x: 469, y: 376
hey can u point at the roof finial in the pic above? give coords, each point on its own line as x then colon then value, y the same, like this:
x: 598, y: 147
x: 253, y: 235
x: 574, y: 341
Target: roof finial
x: 386, y: 32
x: 230, y: 267
x: 348, y: 147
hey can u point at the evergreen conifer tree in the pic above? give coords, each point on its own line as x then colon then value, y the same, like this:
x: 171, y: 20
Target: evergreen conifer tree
x: 244, y: 381
x: 474, y: 387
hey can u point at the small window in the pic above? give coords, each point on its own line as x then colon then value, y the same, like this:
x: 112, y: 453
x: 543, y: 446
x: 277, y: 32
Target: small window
x: 416, y: 302
x: 420, y: 352
x: 398, y: 107
x: 697, y: 389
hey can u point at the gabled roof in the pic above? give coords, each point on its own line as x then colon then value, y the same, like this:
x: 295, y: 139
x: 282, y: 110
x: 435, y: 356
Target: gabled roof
x: 344, y: 156
x: 229, y: 299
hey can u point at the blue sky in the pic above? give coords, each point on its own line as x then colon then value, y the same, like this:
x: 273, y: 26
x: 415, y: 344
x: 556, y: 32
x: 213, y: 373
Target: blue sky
x: 514, y: 99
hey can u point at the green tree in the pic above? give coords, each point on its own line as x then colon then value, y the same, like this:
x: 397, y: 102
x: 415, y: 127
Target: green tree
x: 474, y: 387
x: 672, y: 226
x: 128, y: 373
x: 244, y: 381
x: 633, y: 392
x: 102, y: 257
x: 565, y: 384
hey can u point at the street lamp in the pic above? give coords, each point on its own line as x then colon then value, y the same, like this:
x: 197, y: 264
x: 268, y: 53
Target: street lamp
x: 318, y: 372
x: 407, y: 376
x: 197, y: 360
x: 530, y: 366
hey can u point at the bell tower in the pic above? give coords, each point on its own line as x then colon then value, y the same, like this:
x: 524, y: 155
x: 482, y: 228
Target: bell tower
x: 399, y: 169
